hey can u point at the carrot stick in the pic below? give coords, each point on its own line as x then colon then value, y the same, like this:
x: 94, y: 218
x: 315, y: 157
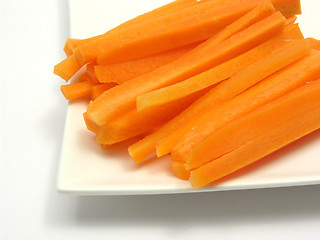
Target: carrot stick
x: 272, y: 140
x: 98, y: 89
x: 120, y: 98
x: 124, y: 71
x: 237, y: 84
x: 76, y: 90
x: 191, y: 25
x: 72, y: 43
x: 146, y: 146
x: 67, y: 68
x: 305, y: 70
x: 134, y: 123
x: 214, y: 75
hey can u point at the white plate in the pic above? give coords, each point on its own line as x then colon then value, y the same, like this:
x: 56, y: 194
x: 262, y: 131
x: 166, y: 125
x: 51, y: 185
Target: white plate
x: 86, y: 169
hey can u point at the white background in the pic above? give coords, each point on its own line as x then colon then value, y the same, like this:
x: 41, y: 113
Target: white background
x: 32, y: 115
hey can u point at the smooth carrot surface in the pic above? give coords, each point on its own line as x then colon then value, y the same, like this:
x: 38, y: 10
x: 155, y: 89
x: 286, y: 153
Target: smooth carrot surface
x: 134, y: 123
x: 191, y: 25
x: 212, y: 76
x: 125, y: 71
x: 147, y: 145
x: 112, y: 102
x: 185, y: 31
x: 67, y: 68
x: 98, y: 89
x: 305, y: 70
x: 237, y: 84
x: 76, y: 90
x: 270, y: 141
x: 71, y: 43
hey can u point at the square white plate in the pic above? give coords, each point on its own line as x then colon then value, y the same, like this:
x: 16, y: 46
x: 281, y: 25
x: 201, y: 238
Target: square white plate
x: 87, y: 170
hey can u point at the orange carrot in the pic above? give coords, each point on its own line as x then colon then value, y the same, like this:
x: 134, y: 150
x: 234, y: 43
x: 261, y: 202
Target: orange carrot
x: 76, y: 90
x: 288, y: 8
x: 90, y: 125
x: 212, y: 76
x: 273, y: 139
x: 91, y: 73
x: 72, y: 43
x: 315, y: 44
x: 134, y: 123
x: 146, y: 146
x: 291, y: 20
x: 120, y: 98
x: 67, y: 68
x: 98, y: 89
x: 122, y: 72
x: 179, y: 170
x: 191, y: 25
x: 305, y: 70
x: 238, y: 83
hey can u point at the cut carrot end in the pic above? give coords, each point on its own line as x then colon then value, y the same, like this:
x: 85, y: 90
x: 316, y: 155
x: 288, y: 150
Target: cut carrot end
x: 67, y: 68
x: 76, y: 90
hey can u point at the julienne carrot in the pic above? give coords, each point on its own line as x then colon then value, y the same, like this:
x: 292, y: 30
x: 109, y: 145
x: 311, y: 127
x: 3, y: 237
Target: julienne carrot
x: 124, y: 71
x: 71, y: 43
x: 278, y: 114
x: 238, y: 83
x: 134, y: 123
x: 288, y: 8
x: 98, y: 89
x: 295, y: 75
x: 146, y: 146
x: 112, y: 102
x: 67, y: 68
x: 273, y: 139
x: 181, y: 28
x: 76, y: 90
x: 219, y: 84
x: 184, y: 19
x: 221, y: 72
x: 182, y: 7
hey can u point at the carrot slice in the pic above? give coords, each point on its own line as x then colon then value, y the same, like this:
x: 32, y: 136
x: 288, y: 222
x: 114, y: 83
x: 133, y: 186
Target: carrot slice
x: 125, y: 71
x: 191, y: 25
x: 146, y: 146
x: 98, y: 89
x: 272, y: 140
x: 67, y: 68
x: 305, y: 70
x: 212, y: 76
x: 76, y: 90
x: 134, y: 123
x: 120, y: 98
x: 237, y: 84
